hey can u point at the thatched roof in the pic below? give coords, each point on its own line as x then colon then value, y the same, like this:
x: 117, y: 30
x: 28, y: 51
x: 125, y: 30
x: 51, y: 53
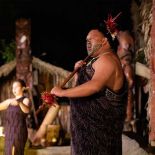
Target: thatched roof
x: 42, y: 66
x: 7, y: 68
x: 146, y: 14
x: 142, y: 22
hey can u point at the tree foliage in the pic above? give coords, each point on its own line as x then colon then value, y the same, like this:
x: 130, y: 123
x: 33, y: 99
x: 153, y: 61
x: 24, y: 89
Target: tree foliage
x: 7, y: 50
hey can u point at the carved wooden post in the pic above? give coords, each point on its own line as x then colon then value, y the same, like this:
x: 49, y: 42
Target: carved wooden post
x: 126, y: 53
x: 152, y: 93
x: 23, y: 55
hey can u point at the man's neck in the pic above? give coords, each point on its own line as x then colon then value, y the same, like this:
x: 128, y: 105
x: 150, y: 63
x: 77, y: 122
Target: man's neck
x: 104, y: 50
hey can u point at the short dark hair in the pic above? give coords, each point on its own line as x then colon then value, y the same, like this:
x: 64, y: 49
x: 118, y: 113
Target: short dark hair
x: 22, y: 82
x: 103, y: 29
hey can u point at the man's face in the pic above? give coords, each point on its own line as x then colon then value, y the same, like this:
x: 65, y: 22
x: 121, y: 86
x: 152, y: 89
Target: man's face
x: 94, y: 39
x: 125, y: 40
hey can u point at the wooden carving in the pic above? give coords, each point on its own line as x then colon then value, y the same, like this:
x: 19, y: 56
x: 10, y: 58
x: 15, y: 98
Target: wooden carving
x: 126, y: 52
x: 23, y: 51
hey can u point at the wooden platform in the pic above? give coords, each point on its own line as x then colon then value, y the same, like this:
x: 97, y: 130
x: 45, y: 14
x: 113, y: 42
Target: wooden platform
x: 130, y: 147
x: 54, y: 150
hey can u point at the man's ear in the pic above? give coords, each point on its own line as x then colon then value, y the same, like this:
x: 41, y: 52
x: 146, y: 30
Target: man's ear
x: 104, y: 41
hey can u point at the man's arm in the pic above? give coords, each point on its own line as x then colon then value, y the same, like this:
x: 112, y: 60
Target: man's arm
x: 103, y: 72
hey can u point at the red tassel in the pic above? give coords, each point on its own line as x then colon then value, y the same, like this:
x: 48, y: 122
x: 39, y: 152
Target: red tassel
x: 47, y: 97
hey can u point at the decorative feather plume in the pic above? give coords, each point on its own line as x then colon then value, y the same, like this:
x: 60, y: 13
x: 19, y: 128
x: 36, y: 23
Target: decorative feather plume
x: 47, y: 97
x: 111, y: 25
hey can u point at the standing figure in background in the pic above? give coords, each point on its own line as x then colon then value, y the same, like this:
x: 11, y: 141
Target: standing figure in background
x: 15, y: 129
x: 98, y: 99
x: 125, y: 52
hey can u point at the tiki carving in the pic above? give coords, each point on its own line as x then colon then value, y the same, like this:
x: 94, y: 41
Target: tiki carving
x: 126, y: 52
x: 23, y: 51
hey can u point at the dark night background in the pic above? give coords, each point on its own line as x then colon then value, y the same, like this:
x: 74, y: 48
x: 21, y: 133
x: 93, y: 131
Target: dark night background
x: 59, y: 27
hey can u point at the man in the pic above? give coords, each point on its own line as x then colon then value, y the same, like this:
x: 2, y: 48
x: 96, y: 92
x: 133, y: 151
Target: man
x: 97, y: 100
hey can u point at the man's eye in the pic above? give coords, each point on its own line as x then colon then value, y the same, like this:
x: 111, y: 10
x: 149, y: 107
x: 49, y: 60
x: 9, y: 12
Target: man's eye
x: 88, y: 42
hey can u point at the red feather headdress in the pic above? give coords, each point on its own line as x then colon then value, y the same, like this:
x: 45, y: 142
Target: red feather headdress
x: 111, y: 25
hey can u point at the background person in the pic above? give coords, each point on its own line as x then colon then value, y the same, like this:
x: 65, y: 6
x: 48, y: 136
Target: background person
x: 15, y: 128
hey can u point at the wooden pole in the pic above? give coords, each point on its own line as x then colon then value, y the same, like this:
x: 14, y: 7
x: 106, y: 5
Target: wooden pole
x: 53, y: 110
x: 71, y: 75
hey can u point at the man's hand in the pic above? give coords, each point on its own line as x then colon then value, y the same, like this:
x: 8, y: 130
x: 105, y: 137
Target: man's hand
x: 57, y: 91
x: 79, y: 64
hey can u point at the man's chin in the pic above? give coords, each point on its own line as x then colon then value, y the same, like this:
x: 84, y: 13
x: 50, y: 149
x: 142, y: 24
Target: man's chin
x: 89, y: 52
